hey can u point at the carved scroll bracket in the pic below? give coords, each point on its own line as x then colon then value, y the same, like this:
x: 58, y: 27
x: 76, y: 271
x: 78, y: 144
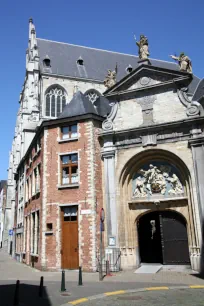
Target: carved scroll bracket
x: 193, y: 107
x: 107, y: 124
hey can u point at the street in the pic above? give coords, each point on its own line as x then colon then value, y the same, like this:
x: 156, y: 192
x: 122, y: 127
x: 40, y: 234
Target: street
x: 10, y: 271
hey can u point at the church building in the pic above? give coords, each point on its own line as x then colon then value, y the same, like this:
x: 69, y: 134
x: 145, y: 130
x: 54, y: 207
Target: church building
x: 104, y: 130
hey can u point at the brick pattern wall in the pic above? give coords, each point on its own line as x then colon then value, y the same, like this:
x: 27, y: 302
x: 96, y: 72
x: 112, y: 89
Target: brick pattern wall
x: 33, y: 204
x: 88, y: 195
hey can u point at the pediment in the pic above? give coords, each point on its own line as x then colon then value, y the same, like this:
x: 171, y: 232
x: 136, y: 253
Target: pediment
x: 147, y: 76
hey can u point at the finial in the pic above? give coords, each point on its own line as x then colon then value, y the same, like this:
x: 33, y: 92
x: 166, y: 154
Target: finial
x: 31, y: 20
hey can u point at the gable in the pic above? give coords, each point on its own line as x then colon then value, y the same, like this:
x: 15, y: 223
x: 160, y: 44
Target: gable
x: 147, y: 76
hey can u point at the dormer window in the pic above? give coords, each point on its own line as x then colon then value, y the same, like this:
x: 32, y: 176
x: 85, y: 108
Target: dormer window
x: 47, y: 62
x: 129, y: 69
x: 80, y: 61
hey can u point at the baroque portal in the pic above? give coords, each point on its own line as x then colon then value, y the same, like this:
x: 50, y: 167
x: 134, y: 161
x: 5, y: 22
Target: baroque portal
x: 157, y: 179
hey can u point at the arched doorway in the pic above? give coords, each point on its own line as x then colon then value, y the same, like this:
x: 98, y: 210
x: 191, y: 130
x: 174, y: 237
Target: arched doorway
x: 163, y: 238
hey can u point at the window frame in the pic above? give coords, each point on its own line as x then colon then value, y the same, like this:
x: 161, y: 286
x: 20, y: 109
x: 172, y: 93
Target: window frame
x: 69, y: 138
x: 69, y: 166
x: 63, y: 97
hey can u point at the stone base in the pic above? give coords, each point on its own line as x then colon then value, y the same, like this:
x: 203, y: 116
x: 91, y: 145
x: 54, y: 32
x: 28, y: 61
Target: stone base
x: 144, y: 61
x: 195, y: 262
x: 129, y: 259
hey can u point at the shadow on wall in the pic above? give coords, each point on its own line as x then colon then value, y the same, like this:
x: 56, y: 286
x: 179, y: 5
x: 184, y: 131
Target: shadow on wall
x: 202, y: 253
x: 28, y: 295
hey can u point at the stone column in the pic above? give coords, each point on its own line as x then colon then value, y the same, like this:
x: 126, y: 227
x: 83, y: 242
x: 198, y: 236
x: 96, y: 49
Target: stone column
x: 197, y: 147
x: 110, y: 213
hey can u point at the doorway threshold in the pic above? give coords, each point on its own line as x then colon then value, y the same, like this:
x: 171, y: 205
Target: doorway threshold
x: 151, y: 268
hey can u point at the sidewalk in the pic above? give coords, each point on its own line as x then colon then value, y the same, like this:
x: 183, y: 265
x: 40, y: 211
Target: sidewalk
x: 10, y: 271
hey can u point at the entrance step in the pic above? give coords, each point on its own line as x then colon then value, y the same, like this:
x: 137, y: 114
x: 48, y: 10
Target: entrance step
x: 148, y: 268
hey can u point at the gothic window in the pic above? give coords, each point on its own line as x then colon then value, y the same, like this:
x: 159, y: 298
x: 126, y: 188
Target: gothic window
x: 55, y: 101
x: 92, y: 95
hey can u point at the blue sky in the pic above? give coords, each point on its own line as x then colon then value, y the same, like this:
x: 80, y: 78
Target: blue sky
x: 171, y: 27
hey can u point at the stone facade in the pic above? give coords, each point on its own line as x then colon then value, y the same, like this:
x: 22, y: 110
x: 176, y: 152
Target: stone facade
x: 151, y: 125
x: 124, y: 135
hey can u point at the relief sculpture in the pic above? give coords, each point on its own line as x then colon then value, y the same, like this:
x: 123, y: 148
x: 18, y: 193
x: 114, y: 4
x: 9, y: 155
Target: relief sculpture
x: 157, y: 180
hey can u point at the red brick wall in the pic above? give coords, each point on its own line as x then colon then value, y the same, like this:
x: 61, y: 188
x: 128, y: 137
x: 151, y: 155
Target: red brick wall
x: 88, y: 195
x: 34, y: 204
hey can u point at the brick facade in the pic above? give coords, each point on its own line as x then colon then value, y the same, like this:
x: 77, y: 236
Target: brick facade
x: 52, y: 196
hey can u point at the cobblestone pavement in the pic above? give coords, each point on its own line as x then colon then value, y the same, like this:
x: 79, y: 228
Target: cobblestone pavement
x: 185, y: 297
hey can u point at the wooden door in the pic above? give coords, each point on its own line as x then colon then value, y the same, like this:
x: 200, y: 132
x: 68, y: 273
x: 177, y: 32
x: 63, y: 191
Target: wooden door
x: 70, y: 254
x: 174, y: 239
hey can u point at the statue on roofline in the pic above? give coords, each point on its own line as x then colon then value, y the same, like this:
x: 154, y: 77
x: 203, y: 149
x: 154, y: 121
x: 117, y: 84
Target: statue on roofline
x: 110, y: 79
x: 183, y: 61
x: 143, y: 47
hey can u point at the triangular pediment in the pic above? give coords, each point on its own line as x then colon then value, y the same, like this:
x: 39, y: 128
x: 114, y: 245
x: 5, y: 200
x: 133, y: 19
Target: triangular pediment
x: 147, y: 76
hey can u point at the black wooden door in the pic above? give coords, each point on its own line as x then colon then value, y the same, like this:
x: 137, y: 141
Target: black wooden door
x: 174, y: 239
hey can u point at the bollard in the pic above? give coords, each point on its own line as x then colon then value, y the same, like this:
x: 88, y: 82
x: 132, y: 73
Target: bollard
x: 63, y: 282
x: 108, y: 268
x: 41, y: 287
x: 16, y: 294
x: 80, y: 277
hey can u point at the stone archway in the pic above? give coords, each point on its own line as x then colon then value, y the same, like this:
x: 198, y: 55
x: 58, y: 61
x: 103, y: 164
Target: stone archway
x: 175, y: 197
x: 163, y: 238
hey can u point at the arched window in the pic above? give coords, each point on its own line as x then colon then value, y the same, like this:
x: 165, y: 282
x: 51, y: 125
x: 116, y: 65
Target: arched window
x: 55, y: 101
x: 92, y: 95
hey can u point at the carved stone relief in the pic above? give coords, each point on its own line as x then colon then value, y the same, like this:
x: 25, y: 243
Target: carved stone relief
x: 157, y: 180
x: 146, y: 104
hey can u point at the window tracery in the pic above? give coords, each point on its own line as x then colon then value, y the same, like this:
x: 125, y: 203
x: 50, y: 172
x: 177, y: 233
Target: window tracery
x: 92, y: 95
x: 55, y: 100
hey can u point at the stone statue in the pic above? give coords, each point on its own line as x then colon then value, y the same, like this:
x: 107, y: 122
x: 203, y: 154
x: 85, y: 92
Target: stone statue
x: 143, y: 47
x: 157, y: 181
x: 139, y: 188
x: 184, y: 62
x: 176, y: 185
x: 110, y: 79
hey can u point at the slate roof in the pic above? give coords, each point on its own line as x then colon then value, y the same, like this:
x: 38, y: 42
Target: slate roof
x: 64, y: 58
x: 199, y: 92
x: 79, y: 105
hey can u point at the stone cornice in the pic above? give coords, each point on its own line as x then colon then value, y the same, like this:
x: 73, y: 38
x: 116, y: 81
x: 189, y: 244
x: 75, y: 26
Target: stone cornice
x: 154, y: 128
x: 196, y: 142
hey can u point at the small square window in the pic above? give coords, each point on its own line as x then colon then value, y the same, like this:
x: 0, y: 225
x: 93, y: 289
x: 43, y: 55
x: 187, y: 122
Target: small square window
x: 69, y: 132
x: 49, y: 226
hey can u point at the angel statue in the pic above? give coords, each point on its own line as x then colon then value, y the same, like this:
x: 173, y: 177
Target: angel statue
x: 110, y: 79
x: 143, y: 47
x: 184, y: 62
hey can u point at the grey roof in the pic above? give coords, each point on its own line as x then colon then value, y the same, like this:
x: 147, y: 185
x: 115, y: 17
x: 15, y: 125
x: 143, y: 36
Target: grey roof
x: 64, y: 58
x: 199, y: 92
x: 102, y: 105
x: 79, y: 105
